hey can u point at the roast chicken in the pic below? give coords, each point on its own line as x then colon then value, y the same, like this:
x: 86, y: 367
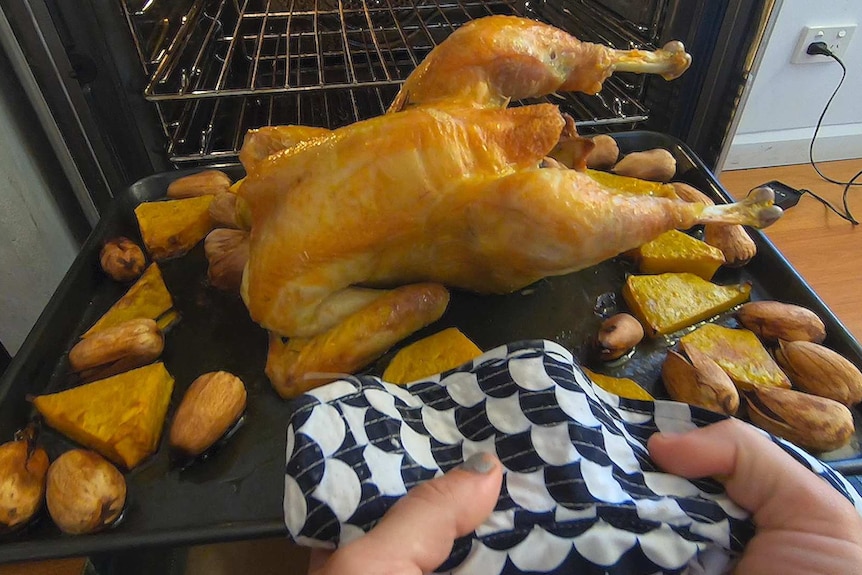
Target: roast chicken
x: 355, y: 232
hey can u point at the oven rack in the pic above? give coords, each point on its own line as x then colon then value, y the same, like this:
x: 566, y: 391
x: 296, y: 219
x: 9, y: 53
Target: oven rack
x: 212, y: 129
x: 234, y: 65
x: 226, y: 48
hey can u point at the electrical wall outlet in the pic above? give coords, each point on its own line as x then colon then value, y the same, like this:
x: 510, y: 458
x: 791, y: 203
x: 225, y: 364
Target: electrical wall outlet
x: 836, y: 38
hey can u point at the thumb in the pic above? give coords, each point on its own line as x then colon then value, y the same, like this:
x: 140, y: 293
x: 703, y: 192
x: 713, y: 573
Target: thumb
x: 759, y: 476
x: 417, y: 533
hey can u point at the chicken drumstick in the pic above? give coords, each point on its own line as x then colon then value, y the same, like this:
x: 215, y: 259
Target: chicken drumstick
x: 490, y: 61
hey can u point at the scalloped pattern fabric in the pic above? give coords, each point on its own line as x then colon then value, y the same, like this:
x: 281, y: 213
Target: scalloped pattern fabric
x: 580, y: 493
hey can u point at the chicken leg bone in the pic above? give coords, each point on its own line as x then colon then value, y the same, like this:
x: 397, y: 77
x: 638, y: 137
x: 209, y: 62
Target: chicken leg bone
x: 756, y: 210
x: 669, y: 62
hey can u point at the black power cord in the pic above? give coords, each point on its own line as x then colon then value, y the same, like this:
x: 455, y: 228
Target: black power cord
x: 822, y: 49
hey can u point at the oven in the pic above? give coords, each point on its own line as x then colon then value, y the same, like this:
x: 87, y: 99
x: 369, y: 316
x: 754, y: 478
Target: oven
x: 124, y: 89
x: 133, y: 87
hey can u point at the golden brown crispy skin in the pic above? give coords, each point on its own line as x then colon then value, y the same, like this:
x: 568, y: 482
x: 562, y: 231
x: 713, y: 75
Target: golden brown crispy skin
x: 499, y: 58
x: 302, y: 364
x: 326, y: 212
x: 493, y: 60
x: 260, y: 143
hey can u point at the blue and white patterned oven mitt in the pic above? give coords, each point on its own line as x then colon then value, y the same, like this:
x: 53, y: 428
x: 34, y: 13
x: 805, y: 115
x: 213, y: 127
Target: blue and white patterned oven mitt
x: 580, y: 493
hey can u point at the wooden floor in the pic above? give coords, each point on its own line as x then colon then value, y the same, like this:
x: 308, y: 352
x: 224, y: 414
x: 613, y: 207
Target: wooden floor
x: 58, y: 567
x: 826, y: 250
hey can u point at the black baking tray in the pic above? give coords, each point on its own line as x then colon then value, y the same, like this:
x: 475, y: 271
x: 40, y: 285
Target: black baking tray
x: 237, y: 493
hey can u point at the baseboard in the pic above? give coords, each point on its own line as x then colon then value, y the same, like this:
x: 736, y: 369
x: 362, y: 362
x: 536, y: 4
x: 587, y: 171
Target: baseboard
x: 786, y: 147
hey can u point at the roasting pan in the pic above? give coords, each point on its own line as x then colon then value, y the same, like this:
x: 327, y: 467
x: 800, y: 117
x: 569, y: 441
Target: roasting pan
x: 237, y: 493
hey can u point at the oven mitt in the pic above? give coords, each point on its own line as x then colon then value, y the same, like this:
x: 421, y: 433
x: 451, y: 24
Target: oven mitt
x: 580, y: 493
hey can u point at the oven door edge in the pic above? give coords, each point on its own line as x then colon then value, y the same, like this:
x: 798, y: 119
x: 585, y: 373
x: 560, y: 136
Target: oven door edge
x: 66, y: 62
x: 752, y: 66
x: 15, y: 53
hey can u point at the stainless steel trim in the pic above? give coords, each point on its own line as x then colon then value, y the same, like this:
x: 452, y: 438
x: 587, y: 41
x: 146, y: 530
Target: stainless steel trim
x: 166, y: 64
x: 752, y: 65
x: 46, y: 119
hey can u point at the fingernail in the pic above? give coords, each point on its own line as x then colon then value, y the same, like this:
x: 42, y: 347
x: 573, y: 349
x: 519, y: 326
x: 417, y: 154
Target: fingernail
x: 481, y: 463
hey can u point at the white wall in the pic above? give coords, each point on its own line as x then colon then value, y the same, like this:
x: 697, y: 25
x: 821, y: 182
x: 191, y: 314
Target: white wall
x: 785, y: 100
x: 36, y: 245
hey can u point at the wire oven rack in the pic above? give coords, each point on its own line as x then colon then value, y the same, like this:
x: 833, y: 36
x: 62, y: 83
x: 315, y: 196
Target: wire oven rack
x: 233, y: 65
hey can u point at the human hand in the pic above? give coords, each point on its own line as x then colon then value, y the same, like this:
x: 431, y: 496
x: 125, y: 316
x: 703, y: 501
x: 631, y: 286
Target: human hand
x: 417, y: 533
x: 804, y: 526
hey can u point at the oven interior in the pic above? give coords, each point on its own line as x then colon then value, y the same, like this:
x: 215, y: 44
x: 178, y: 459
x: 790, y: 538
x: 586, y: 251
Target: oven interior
x: 217, y: 68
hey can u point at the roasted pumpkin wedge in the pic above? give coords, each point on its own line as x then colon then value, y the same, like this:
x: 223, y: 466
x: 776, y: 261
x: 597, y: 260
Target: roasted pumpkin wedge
x: 148, y: 298
x: 436, y: 353
x: 622, y: 386
x: 669, y: 302
x: 121, y: 417
x: 629, y: 185
x: 171, y: 228
x: 739, y: 353
x: 676, y: 251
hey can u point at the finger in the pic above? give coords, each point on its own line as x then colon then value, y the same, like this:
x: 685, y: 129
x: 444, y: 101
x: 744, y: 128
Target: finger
x: 416, y: 534
x: 759, y: 476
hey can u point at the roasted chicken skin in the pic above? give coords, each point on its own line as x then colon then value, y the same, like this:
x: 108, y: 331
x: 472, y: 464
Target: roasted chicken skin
x: 355, y: 200
x: 261, y: 143
x: 354, y: 232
